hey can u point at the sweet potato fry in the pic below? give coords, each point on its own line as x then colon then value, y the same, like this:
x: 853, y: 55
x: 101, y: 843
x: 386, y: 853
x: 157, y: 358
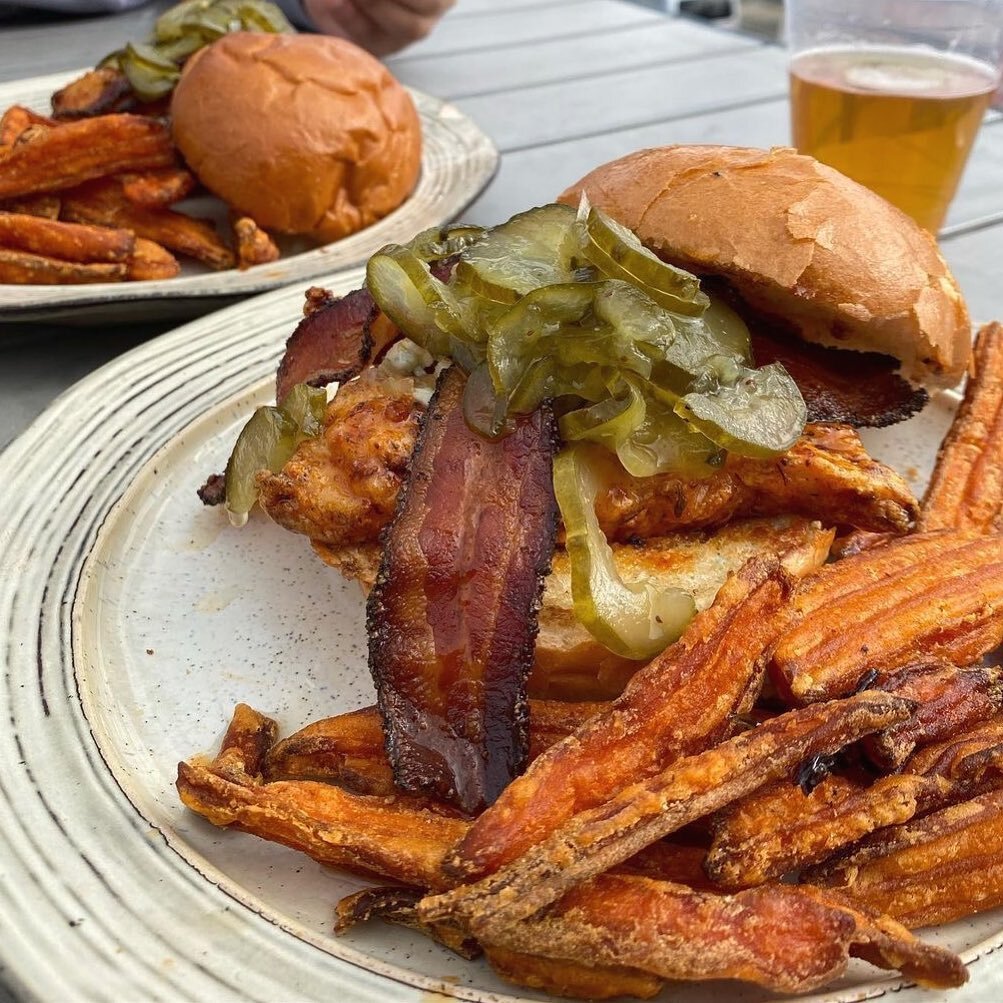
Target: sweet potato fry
x: 966, y: 488
x: 254, y: 246
x: 935, y: 869
x: 782, y: 829
x: 886, y: 943
x: 23, y: 268
x: 46, y: 206
x: 103, y: 202
x: 398, y: 838
x: 97, y: 92
x: 778, y: 936
x: 678, y: 704
x: 949, y: 701
x: 566, y: 978
x: 940, y: 593
x: 349, y: 749
x: 955, y: 757
x: 397, y: 905
x: 151, y: 261
x: 15, y: 121
x: 67, y: 241
x: 595, y: 840
x: 89, y: 148
x: 160, y: 188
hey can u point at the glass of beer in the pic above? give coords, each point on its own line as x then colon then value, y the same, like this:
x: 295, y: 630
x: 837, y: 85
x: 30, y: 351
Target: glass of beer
x: 892, y: 92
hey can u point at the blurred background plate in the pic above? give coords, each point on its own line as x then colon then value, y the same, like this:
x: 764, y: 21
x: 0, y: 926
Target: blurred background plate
x: 133, y: 620
x: 457, y: 161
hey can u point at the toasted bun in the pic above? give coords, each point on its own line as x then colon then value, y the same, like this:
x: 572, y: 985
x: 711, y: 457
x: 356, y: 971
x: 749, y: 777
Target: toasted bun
x: 798, y: 240
x: 304, y: 133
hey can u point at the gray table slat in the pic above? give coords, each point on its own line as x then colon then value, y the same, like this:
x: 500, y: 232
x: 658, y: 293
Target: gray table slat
x: 535, y: 176
x: 637, y: 47
x: 553, y: 112
x: 980, y: 194
x: 515, y: 27
x: 478, y: 8
x: 975, y: 260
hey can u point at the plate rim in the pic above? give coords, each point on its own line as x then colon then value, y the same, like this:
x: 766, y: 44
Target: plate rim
x: 121, y: 367
x: 443, y: 125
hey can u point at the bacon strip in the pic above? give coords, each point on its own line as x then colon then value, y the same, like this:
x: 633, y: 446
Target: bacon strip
x: 680, y: 703
x: 593, y: 841
x: 349, y: 749
x: 966, y: 488
x: 452, y: 617
x: 862, y: 389
x: 330, y: 344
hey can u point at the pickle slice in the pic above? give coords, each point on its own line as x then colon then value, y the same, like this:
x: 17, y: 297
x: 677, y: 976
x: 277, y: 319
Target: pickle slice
x: 439, y: 242
x: 512, y: 259
x: 759, y: 415
x: 267, y: 441
x: 618, y: 253
x: 646, y: 434
x: 424, y: 308
x: 636, y: 619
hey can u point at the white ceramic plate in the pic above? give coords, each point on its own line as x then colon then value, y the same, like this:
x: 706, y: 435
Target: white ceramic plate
x: 457, y: 162
x: 131, y: 621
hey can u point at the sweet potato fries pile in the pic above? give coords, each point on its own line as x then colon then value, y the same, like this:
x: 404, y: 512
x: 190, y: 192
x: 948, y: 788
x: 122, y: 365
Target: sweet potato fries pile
x: 88, y: 198
x: 814, y: 769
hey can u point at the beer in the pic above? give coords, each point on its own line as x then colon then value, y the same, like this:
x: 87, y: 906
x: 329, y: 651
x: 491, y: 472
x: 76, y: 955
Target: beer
x: 899, y: 120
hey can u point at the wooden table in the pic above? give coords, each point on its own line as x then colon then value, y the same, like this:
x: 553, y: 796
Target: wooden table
x: 561, y: 86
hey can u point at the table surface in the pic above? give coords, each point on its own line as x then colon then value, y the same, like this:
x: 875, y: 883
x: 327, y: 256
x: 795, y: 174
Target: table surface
x: 561, y: 86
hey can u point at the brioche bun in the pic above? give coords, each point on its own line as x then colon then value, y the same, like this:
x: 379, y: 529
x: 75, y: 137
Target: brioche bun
x: 796, y: 240
x: 304, y: 133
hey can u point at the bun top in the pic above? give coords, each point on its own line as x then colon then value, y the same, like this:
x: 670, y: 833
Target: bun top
x: 304, y: 133
x: 796, y: 240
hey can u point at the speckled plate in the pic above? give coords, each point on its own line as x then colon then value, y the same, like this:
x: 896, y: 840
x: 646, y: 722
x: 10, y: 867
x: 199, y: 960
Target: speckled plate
x: 132, y: 621
x: 457, y: 162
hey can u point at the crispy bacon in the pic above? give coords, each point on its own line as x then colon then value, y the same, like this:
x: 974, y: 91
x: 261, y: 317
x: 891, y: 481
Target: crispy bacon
x: 452, y: 617
x: 332, y: 342
x: 862, y: 389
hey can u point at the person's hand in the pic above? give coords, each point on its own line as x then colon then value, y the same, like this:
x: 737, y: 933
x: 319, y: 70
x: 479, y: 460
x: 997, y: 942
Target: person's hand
x: 381, y: 26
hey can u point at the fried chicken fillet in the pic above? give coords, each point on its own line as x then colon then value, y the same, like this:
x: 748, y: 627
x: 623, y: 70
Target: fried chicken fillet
x: 341, y: 488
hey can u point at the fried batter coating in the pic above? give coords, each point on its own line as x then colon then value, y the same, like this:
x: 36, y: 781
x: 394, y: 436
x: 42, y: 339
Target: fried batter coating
x: 778, y: 936
x: 595, y: 840
x: 939, y: 593
x: 342, y: 486
x: 782, y: 829
x: 349, y: 749
x: 934, y: 869
x: 966, y: 487
x: 340, y: 489
x: 958, y: 756
x: 569, y: 979
x: 400, y: 838
x: 678, y: 704
x: 949, y: 700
